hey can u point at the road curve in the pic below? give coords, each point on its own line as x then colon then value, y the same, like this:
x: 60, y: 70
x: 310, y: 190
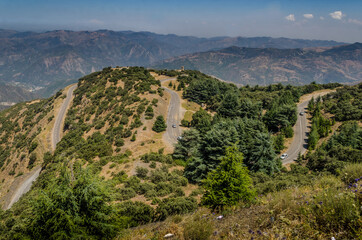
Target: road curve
x: 300, y: 140
x: 173, y: 115
x: 60, y: 117
x: 33, y: 175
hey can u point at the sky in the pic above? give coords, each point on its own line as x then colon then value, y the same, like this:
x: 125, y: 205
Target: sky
x: 307, y: 19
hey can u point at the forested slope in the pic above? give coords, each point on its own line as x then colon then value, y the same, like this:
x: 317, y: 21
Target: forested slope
x: 110, y: 172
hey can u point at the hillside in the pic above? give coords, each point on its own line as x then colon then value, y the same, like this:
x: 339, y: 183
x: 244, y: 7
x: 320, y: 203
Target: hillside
x: 114, y: 176
x: 254, y: 66
x: 55, y: 59
x: 9, y: 95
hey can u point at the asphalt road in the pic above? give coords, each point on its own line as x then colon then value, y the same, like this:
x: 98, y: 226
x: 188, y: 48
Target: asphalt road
x: 173, y: 115
x: 24, y: 187
x: 28, y: 181
x: 299, y: 143
x: 57, y: 129
x: 300, y: 140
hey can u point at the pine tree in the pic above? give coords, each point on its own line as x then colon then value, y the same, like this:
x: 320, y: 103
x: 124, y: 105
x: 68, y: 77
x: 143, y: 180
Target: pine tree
x: 159, y: 125
x: 229, y: 183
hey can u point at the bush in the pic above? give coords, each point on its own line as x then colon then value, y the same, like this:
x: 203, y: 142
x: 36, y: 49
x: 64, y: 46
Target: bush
x: 141, y: 172
x: 127, y: 193
x: 172, y: 206
x: 138, y: 212
x: 32, y: 159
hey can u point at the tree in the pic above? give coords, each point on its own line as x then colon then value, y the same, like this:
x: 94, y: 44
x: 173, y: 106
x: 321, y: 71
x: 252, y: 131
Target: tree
x: 188, y: 146
x: 67, y: 210
x: 279, y: 143
x: 201, y: 120
x: 262, y: 155
x: 159, y: 125
x: 229, y: 183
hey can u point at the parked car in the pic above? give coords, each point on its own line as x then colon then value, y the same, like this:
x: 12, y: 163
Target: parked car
x: 179, y: 138
x: 283, y: 156
x: 301, y: 113
x: 174, y: 125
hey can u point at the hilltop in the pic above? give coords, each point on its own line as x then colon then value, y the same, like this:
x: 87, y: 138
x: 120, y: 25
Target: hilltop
x: 265, y: 66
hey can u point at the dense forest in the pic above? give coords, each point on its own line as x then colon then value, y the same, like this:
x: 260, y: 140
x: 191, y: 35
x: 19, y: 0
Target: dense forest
x: 226, y: 162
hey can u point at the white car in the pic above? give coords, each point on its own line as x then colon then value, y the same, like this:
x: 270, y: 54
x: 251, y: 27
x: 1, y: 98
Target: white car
x: 174, y: 125
x: 179, y: 138
x: 283, y: 156
x: 301, y: 113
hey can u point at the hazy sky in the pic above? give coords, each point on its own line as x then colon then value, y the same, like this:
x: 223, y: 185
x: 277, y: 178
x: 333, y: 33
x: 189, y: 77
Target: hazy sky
x: 339, y: 20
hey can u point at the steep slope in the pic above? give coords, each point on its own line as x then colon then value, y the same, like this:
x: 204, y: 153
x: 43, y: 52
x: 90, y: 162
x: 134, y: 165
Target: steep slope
x: 112, y: 113
x: 48, y: 59
x: 266, y: 66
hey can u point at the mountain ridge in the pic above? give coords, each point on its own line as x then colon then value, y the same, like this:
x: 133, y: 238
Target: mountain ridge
x: 271, y: 65
x: 46, y: 59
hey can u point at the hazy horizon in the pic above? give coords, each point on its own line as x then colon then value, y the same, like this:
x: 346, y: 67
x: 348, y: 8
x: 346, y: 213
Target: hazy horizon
x: 315, y: 20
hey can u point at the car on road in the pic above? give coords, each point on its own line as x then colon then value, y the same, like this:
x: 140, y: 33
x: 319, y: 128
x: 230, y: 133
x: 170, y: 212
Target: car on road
x: 174, y: 125
x: 301, y: 113
x: 179, y: 138
x: 283, y: 156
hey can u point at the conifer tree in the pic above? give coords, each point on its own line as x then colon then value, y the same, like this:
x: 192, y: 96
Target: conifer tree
x: 229, y: 183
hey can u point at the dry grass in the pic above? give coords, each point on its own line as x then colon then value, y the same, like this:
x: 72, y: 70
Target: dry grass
x: 280, y: 215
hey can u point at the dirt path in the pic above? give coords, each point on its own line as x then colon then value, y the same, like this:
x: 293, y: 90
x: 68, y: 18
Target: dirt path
x: 300, y: 140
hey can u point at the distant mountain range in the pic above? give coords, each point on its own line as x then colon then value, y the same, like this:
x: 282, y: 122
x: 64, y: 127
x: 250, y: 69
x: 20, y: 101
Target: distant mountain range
x: 264, y: 66
x: 56, y: 58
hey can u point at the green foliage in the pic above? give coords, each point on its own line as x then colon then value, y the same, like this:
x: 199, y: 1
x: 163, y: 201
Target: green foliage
x: 73, y: 209
x: 229, y: 183
x: 279, y: 143
x: 201, y: 120
x: 188, y: 146
x: 341, y: 148
x: 345, y: 103
x: 282, y: 114
x: 137, y: 213
x: 249, y: 134
x: 351, y: 172
x: 149, y: 112
x: 96, y: 145
x: 288, y: 131
x: 173, y: 206
x: 141, y: 172
x: 297, y: 176
x: 159, y: 125
x: 32, y: 159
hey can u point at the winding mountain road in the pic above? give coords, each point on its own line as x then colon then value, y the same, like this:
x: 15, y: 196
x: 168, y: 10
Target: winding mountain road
x: 173, y: 115
x: 57, y: 129
x: 300, y: 140
x: 33, y: 175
